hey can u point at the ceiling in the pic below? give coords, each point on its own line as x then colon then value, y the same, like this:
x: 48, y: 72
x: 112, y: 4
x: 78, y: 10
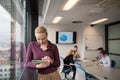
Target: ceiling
x: 86, y: 11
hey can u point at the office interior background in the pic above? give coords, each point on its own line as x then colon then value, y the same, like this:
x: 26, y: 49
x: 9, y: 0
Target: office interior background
x: 18, y: 19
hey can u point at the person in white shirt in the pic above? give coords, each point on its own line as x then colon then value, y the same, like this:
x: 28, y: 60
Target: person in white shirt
x: 99, y: 51
x: 105, y: 60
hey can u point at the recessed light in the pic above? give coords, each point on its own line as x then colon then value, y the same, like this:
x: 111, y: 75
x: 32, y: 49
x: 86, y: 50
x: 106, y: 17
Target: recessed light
x: 57, y: 19
x: 70, y: 4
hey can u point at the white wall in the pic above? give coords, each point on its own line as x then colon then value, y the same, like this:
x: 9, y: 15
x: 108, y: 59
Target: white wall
x: 97, y: 30
x: 81, y: 32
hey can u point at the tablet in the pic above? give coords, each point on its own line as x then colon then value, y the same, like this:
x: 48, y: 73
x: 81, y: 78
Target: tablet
x: 39, y: 61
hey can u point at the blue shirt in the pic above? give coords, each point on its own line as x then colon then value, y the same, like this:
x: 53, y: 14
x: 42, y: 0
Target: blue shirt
x: 34, y: 52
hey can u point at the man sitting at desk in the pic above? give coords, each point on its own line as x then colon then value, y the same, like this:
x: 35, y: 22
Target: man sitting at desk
x: 105, y: 60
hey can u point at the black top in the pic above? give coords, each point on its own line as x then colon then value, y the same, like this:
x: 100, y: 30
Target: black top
x: 68, y: 59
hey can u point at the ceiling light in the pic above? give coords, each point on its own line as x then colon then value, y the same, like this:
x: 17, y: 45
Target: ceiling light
x: 69, y: 4
x: 102, y: 2
x: 57, y: 19
x: 99, y: 21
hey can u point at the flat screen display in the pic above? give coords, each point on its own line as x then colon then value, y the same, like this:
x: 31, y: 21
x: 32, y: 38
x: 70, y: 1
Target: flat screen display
x: 65, y: 37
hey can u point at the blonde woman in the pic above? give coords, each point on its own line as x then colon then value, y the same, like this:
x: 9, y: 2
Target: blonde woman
x: 69, y: 59
x: 77, y: 53
x: 43, y: 49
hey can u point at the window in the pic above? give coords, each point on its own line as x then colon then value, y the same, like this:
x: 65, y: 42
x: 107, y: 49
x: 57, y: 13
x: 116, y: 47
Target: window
x: 113, y: 41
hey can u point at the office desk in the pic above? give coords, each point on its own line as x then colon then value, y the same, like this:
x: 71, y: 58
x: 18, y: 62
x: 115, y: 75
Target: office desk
x: 101, y: 72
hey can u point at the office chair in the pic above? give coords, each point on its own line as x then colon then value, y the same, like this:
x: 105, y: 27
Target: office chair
x: 65, y: 71
x: 113, y: 63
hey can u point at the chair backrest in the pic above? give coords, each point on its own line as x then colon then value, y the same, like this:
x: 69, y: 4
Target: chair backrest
x: 61, y: 64
x: 113, y: 63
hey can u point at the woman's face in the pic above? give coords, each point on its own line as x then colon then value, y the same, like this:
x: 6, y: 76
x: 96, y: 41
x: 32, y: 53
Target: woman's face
x: 75, y: 49
x: 41, y: 38
x: 101, y: 54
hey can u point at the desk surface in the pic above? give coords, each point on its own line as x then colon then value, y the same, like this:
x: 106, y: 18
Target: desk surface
x: 101, y: 72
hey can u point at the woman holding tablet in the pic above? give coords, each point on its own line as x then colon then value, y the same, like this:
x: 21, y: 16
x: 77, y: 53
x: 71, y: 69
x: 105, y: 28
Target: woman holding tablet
x: 46, y: 53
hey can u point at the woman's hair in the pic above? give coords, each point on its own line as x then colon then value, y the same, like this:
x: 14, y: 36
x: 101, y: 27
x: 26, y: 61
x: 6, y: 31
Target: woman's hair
x: 103, y: 52
x: 40, y: 29
x: 100, y: 48
x: 70, y: 52
x: 75, y: 46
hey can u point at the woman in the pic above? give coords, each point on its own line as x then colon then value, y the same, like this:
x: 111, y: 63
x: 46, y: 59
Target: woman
x: 99, y: 51
x: 76, y: 55
x: 105, y: 60
x: 69, y: 59
x: 43, y: 49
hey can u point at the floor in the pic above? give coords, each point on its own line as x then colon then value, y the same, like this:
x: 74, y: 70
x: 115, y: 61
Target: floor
x: 69, y: 77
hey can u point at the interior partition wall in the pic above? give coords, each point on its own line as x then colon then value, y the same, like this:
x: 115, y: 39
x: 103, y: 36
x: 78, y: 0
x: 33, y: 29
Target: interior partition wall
x: 113, y: 41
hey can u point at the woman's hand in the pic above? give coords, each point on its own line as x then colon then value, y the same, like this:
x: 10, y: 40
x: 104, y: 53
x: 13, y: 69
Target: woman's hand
x: 42, y: 65
x: 45, y: 64
x: 100, y: 64
x: 49, y: 60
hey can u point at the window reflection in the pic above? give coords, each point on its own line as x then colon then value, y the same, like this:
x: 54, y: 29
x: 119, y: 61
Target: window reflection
x: 12, y: 48
x: 5, y: 43
x: 4, y: 34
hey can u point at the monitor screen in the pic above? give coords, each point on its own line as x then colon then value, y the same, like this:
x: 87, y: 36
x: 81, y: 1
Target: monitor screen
x: 65, y: 37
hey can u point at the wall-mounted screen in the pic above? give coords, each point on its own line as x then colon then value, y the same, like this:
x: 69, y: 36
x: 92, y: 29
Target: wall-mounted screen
x: 65, y: 37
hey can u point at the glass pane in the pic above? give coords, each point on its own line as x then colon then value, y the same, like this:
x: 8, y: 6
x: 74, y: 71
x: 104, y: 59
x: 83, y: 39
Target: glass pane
x: 5, y: 31
x: 5, y: 42
x: 12, y: 48
x: 114, y: 31
x: 18, y: 49
x: 114, y: 46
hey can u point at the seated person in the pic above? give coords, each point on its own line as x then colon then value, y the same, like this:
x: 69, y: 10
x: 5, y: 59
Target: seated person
x: 99, y: 51
x: 105, y: 60
x: 69, y: 59
x: 77, y: 53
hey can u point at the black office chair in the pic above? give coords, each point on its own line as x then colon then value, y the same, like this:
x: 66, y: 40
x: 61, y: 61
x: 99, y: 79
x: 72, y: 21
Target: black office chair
x: 113, y: 63
x: 67, y: 70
